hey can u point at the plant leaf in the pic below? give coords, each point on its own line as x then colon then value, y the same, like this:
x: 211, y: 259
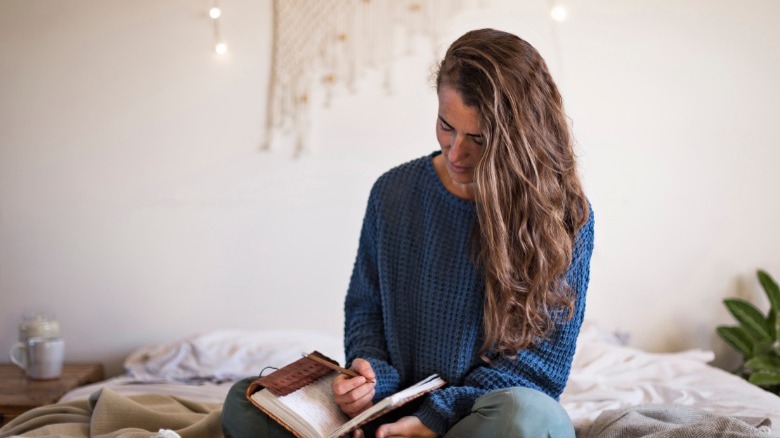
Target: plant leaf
x: 750, y: 317
x: 765, y: 378
x: 773, y: 320
x: 762, y: 349
x: 765, y: 363
x: 737, y: 338
x: 771, y: 288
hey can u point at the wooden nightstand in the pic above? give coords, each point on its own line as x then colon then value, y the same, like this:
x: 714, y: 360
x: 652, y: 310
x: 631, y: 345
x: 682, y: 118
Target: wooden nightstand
x: 19, y: 393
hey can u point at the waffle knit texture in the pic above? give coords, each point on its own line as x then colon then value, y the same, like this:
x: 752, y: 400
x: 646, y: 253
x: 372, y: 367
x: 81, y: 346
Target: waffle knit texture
x: 415, y: 300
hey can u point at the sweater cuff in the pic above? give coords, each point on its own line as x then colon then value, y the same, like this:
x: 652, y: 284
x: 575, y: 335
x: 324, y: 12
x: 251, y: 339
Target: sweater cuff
x: 387, y: 379
x: 434, y: 420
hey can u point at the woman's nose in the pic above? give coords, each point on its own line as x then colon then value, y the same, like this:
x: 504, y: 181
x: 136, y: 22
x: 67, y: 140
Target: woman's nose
x: 458, y: 149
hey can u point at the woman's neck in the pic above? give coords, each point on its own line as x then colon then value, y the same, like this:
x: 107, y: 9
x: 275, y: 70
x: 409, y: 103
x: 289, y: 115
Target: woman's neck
x: 463, y: 191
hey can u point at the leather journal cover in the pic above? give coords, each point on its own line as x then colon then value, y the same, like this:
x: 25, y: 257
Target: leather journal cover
x: 299, y: 397
x: 292, y: 377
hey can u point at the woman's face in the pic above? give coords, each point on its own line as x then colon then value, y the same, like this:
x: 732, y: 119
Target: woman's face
x: 460, y: 138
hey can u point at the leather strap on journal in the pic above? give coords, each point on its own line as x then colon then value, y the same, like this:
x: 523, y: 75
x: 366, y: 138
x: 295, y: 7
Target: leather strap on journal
x: 292, y: 377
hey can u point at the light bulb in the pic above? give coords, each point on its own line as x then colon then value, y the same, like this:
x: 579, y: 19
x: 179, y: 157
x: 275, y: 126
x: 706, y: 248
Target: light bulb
x: 558, y: 13
x: 221, y: 48
x: 215, y: 12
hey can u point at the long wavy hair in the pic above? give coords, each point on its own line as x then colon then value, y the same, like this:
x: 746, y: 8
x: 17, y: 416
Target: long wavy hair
x: 529, y: 200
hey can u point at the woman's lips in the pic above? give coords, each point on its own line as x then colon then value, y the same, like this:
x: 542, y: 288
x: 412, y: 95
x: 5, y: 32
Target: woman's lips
x: 457, y: 169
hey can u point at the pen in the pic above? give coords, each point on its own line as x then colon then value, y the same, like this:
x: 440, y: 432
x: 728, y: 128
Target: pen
x: 333, y: 366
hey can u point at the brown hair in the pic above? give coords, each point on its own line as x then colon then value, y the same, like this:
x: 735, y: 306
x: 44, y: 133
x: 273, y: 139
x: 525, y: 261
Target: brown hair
x: 529, y: 200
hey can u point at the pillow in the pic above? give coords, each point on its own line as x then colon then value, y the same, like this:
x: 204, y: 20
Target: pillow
x: 226, y: 355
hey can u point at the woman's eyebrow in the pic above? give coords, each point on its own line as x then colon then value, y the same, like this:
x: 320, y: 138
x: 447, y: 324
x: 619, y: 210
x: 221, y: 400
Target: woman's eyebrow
x: 450, y: 126
x: 444, y: 121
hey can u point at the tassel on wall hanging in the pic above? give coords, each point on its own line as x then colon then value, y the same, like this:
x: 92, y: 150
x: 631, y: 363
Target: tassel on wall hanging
x: 321, y: 44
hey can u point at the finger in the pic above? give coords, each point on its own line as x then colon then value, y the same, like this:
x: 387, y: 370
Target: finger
x: 358, y: 434
x: 405, y: 427
x: 352, y: 399
x: 358, y: 406
x: 343, y: 384
x: 354, y: 395
x: 391, y: 430
x: 363, y: 367
x: 385, y: 431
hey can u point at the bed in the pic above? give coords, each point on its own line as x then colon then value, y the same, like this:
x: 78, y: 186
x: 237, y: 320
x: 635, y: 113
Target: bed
x: 176, y: 389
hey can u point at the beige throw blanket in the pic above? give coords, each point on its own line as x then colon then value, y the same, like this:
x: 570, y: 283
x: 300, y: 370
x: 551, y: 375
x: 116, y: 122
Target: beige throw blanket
x: 108, y: 414
x: 674, y: 421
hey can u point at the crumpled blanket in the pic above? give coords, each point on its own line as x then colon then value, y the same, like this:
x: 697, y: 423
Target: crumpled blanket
x: 227, y: 355
x: 108, y: 414
x: 674, y: 421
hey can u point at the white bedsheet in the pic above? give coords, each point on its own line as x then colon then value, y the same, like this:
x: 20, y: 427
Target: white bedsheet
x: 202, y: 367
x: 605, y: 374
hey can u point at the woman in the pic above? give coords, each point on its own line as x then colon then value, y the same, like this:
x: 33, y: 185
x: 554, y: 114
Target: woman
x: 473, y: 261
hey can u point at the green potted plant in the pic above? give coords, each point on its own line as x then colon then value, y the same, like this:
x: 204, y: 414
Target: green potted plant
x: 757, y: 336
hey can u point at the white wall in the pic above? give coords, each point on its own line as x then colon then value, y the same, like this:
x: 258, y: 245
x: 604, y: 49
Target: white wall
x: 136, y: 205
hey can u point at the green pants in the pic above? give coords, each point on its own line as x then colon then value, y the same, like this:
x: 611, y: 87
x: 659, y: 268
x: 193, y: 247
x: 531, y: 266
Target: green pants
x: 512, y: 412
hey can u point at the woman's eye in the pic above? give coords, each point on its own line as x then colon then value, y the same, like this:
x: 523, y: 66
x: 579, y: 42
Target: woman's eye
x: 444, y: 127
x: 478, y: 140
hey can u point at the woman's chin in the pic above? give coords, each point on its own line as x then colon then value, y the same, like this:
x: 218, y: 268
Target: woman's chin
x: 462, y: 179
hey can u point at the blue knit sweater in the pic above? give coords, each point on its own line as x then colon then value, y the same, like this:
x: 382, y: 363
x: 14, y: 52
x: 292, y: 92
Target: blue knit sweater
x: 414, y: 304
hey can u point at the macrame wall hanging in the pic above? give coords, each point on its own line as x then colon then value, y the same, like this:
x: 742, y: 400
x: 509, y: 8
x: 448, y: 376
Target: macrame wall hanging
x: 321, y: 44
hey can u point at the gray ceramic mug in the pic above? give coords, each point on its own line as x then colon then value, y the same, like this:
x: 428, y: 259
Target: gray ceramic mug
x: 41, y: 358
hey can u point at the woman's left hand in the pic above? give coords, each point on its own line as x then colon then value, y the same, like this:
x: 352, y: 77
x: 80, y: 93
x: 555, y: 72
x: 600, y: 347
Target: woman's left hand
x: 408, y: 427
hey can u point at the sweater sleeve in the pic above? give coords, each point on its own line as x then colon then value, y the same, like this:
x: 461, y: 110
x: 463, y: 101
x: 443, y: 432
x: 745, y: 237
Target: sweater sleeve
x: 544, y: 368
x: 364, y: 335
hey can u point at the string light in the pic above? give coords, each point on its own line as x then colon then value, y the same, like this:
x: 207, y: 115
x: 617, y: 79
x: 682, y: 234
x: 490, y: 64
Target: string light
x: 558, y: 13
x: 215, y: 13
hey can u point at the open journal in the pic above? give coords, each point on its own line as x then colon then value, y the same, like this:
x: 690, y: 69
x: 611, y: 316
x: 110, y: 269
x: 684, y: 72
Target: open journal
x: 299, y: 397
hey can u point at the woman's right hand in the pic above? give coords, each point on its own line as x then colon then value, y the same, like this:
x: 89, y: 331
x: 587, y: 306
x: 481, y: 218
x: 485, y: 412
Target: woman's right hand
x: 355, y: 394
